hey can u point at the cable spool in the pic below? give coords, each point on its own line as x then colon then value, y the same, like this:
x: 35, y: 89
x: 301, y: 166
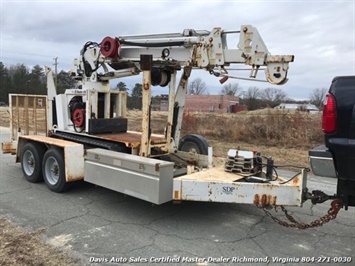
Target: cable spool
x: 110, y: 47
x: 160, y: 77
x: 77, y: 114
x: 79, y: 117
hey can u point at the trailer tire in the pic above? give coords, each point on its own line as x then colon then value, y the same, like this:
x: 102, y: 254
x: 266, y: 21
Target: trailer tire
x: 54, y: 170
x: 31, y: 162
x: 194, y: 143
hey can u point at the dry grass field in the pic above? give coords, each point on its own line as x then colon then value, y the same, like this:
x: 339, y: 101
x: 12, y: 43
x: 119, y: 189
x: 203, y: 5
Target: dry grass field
x: 4, y: 117
x: 284, y: 135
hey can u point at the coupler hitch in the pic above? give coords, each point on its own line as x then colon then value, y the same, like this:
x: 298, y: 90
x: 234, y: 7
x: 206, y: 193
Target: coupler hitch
x: 317, y: 196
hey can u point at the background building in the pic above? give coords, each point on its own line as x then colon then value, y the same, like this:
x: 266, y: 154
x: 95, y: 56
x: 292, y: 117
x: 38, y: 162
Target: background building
x: 213, y: 103
x: 311, y: 108
x: 202, y: 103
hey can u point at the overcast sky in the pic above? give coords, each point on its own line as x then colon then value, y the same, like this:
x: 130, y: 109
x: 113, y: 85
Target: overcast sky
x: 321, y: 34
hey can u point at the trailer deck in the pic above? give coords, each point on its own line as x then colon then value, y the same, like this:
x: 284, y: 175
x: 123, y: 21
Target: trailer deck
x: 132, y: 139
x: 179, y: 176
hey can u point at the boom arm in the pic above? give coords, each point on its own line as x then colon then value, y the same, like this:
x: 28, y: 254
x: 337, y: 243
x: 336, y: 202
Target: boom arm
x: 197, y: 49
x: 159, y: 57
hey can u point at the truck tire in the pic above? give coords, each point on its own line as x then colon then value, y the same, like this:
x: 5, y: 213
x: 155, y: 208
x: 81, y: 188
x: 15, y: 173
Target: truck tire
x: 31, y: 162
x: 194, y: 143
x: 54, y: 170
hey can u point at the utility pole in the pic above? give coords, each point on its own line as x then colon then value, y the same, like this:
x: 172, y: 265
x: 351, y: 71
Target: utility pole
x: 56, y: 70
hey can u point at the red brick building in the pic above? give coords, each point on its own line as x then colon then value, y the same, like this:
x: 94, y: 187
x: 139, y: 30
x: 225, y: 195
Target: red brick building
x: 202, y: 103
x: 160, y: 102
x: 213, y: 103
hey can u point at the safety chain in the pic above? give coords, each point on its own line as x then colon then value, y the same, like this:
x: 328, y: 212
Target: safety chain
x: 336, y: 205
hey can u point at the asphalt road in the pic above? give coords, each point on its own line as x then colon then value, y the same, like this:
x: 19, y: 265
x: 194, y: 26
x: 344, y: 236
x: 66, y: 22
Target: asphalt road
x: 102, y: 225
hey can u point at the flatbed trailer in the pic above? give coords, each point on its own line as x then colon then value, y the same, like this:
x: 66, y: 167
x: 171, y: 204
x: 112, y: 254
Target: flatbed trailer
x: 157, y: 180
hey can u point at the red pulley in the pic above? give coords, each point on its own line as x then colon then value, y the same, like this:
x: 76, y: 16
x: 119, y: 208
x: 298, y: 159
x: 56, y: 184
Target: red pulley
x: 110, y: 47
x: 79, y: 117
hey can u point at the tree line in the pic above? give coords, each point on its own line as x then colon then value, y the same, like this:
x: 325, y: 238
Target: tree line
x: 253, y: 97
x: 256, y: 98
x: 20, y: 79
x: 24, y: 80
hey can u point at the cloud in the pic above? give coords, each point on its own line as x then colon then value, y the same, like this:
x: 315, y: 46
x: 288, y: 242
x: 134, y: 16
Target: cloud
x: 319, y: 33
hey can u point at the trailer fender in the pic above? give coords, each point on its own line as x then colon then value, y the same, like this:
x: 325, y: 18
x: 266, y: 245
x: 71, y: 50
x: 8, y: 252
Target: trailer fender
x: 73, y: 153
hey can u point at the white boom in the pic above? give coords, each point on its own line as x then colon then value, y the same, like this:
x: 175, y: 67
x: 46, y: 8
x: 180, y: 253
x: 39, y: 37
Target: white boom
x: 196, y: 49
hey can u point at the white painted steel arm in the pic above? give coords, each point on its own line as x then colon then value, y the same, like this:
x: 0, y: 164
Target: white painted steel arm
x: 197, y: 49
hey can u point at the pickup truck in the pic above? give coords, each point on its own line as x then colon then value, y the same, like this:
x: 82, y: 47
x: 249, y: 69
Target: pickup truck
x: 336, y: 158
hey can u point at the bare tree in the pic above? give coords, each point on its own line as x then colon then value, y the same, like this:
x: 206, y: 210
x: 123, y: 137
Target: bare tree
x: 252, y: 93
x: 273, y: 96
x: 231, y: 89
x: 317, y: 97
x: 197, y: 87
x: 251, y: 97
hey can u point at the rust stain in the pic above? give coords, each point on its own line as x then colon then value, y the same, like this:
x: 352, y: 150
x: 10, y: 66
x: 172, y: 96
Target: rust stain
x: 71, y: 178
x: 274, y: 200
x: 256, y: 199
x: 193, y: 57
x: 265, y: 200
x: 295, y: 180
x: 157, y: 167
x: 263, y: 185
x: 7, y: 147
x: 210, y: 192
x: 146, y: 86
x: 280, y: 58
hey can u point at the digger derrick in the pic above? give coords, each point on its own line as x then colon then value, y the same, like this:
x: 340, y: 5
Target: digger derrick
x: 85, y: 128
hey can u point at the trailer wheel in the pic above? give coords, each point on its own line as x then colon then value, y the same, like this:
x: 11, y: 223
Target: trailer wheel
x: 194, y: 143
x: 31, y: 162
x: 54, y: 171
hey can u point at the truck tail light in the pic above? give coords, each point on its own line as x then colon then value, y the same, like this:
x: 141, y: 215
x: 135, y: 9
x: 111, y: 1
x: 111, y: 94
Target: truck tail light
x: 329, y: 115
